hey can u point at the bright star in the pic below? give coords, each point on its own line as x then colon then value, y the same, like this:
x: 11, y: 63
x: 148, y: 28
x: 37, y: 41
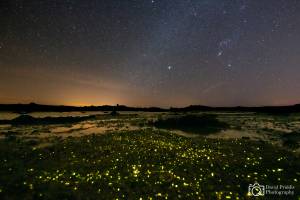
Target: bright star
x: 220, y: 53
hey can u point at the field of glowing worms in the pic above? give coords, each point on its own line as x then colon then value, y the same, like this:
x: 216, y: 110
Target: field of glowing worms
x: 144, y: 163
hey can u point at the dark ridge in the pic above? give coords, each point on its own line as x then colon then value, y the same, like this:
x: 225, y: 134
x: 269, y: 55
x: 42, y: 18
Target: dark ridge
x: 32, y: 107
x: 262, y: 109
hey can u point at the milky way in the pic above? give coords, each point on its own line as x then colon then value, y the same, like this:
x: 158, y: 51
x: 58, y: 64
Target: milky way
x: 150, y: 52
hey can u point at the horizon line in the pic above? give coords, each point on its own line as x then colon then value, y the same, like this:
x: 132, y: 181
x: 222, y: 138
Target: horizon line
x: 163, y: 107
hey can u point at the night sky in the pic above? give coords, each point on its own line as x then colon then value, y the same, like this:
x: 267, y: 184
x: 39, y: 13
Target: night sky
x: 150, y: 52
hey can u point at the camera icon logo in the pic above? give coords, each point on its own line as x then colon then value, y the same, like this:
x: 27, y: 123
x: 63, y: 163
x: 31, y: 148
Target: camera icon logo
x: 256, y: 190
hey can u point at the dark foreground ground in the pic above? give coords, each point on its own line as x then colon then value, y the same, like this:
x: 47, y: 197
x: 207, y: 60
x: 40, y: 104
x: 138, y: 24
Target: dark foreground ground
x: 143, y: 164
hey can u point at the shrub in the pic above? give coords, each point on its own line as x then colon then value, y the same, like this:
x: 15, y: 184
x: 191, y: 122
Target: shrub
x: 200, y: 124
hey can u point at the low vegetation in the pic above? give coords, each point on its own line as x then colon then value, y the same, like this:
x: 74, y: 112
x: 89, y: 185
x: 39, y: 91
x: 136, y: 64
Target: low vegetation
x: 291, y: 140
x: 29, y: 120
x: 199, y: 124
x: 142, y: 164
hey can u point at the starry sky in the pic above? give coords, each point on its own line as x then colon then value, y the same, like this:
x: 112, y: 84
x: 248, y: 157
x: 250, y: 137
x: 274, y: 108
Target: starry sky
x: 150, y: 52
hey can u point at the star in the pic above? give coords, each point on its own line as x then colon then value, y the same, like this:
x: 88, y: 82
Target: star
x: 220, y: 53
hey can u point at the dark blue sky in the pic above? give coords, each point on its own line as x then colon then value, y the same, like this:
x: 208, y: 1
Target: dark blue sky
x: 150, y: 52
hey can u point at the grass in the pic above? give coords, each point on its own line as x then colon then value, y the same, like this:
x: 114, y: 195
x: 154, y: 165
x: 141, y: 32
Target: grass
x: 199, y: 124
x: 142, y: 164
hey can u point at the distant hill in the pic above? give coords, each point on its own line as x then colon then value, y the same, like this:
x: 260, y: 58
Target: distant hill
x: 260, y: 109
x: 33, y: 107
